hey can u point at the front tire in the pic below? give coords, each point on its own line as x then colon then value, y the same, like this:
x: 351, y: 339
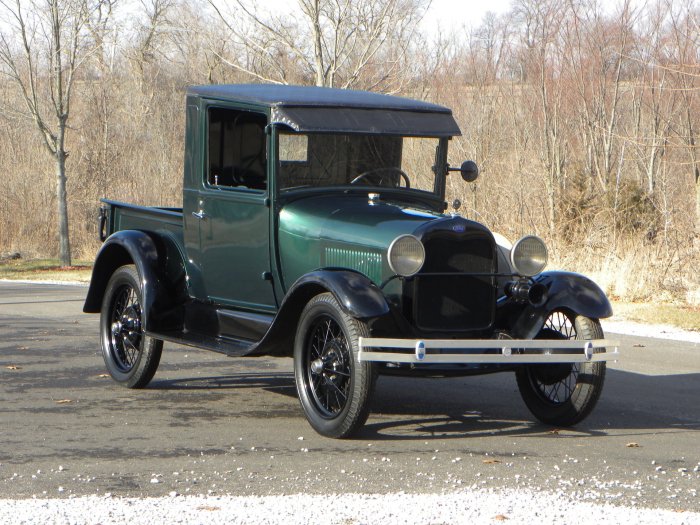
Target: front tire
x: 131, y: 357
x: 563, y: 394
x: 334, y: 388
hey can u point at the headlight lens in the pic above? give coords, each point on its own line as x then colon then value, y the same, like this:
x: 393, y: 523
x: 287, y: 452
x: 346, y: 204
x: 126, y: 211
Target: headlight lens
x: 529, y: 256
x: 406, y: 255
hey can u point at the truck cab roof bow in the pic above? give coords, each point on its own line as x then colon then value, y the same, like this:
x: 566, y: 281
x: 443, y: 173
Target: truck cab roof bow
x: 314, y: 109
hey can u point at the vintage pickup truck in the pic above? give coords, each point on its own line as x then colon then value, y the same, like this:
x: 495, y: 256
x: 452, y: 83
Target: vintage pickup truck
x: 314, y: 225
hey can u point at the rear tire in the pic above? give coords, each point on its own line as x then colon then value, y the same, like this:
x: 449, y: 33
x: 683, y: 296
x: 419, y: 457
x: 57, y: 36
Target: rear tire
x: 563, y: 394
x: 334, y: 388
x: 131, y: 357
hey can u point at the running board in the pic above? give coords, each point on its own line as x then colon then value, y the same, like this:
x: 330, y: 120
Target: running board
x: 223, y: 345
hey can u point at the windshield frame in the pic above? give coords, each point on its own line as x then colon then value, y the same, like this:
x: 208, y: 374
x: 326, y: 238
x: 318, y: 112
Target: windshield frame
x: 439, y: 170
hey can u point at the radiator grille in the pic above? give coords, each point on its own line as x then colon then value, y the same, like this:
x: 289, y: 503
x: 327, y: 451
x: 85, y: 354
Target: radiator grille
x: 456, y: 302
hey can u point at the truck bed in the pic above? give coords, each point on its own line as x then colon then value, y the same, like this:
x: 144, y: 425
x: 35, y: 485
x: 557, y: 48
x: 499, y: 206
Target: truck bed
x: 126, y: 216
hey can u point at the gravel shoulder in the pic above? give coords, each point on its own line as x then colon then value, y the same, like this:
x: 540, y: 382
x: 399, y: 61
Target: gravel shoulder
x: 472, y: 507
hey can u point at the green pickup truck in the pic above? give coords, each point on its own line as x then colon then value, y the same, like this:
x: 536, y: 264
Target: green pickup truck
x: 314, y: 225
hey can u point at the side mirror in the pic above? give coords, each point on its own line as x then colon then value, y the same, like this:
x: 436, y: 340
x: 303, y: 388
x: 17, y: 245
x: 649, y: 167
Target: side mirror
x: 469, y: 171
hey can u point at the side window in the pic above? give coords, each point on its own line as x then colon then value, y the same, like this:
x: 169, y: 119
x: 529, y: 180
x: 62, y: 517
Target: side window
x: 237, y: 155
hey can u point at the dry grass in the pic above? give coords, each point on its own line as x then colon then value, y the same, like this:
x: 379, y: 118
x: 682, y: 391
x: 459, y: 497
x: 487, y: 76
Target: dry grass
x: 681, y: 316
x: 45, y: 270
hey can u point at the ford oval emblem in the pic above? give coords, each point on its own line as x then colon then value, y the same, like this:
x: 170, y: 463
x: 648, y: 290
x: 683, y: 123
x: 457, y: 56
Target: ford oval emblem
x: 459, y: 228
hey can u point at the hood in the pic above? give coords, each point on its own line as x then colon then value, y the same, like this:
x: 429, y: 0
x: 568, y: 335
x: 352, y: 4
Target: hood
x: 351, y: 219
x: 349, y: 231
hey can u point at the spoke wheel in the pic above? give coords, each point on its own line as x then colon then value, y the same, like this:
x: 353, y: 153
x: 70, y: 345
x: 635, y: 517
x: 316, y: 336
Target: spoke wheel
x: 334, y: 389
x: 327, y: 366
x: 131, y: 357
x: 563, y: 394
x: 125, y: 328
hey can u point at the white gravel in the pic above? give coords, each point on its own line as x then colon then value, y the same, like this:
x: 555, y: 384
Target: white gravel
x: 468, y: 507
x: 655, y: 331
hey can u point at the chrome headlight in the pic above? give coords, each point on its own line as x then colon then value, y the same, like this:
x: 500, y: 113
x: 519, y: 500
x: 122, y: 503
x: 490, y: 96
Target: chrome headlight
x: 406, y: 255
x: 529, y: 256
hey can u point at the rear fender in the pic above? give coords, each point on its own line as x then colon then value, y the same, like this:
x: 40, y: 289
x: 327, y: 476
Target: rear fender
x: 161, y: 271
x: 565, y: 291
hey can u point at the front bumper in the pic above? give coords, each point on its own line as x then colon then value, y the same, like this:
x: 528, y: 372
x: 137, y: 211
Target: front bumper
x: 486, y: 351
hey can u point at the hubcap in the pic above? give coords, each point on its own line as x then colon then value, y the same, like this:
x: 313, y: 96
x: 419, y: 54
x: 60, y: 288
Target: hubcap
x: 317, y: 366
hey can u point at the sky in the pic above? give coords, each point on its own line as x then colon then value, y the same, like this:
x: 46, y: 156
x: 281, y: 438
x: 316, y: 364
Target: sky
x: 455, y: 14
x: 444, y: 14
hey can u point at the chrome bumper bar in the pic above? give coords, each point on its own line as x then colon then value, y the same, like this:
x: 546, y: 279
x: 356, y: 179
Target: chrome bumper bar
x: 469, y: 351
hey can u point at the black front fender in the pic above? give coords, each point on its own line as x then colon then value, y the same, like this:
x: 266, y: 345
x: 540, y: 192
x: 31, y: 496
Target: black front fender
x: 565, y: 291
x: 161, y: 272
x: 355, y: 293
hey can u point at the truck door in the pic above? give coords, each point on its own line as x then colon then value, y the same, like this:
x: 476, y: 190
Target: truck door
x: 233, y: 214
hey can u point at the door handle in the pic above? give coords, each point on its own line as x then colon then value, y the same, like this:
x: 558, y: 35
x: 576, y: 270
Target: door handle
x: 199, y: 214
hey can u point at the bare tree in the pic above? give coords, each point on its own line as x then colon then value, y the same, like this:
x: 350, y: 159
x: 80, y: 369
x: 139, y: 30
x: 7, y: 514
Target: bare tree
x: 541, y: 36
x: 336, y: 43
x: 654, y: 102
x: 151, y: 22
x: 599, y: 50
x: 686, y: 37
x: 40, y: 51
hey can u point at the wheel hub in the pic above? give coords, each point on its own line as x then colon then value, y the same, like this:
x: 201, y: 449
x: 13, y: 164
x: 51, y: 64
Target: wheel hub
x: 131, y: 320
x: 330, y: 362
x: 317, y: 366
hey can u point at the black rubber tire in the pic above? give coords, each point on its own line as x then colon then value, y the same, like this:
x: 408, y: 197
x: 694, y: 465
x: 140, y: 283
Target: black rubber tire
x: 131, y: 357
x: 581, y: 387
x: 327, y: 336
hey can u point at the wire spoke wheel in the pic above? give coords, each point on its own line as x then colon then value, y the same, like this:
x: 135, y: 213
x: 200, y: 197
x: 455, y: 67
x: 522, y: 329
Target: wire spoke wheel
x: 563, y: 394
x: 328, y: 366
x: 130, y: 355
x: 333, y: 387
x: 126, y: 331
x: 556, y: 383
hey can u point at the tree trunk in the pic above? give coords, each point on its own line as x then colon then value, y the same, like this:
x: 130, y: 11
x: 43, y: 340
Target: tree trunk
x: 62, y: 201
x: 697, y: 201
x: 318, y: 45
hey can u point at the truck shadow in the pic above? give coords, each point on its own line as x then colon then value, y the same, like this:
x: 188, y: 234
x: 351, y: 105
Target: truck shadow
x: 633, y: 403
x: 414, y: 408
x: 278, y: 383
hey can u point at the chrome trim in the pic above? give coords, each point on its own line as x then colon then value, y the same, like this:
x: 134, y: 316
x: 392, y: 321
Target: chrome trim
x: 514, y: 249
x: 391, y: 247
x: 467, y: 351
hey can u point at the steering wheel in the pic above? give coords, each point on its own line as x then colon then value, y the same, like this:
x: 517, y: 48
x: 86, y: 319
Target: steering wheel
x: 376, y: 178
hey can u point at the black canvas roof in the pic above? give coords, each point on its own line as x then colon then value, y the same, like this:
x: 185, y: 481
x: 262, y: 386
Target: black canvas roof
x: 318, y: 109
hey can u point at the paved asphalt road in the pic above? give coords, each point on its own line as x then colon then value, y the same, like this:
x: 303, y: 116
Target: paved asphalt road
x: 209, y: 424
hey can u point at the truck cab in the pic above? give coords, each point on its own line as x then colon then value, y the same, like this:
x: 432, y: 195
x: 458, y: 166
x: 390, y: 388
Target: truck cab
x: 313, y: 225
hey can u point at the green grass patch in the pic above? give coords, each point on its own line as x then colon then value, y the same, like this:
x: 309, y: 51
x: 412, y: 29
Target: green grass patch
x: 681, y: 316
x: 45, y: 270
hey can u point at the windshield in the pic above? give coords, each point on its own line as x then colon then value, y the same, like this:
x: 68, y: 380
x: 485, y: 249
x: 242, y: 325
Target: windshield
x: 318, y: 160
